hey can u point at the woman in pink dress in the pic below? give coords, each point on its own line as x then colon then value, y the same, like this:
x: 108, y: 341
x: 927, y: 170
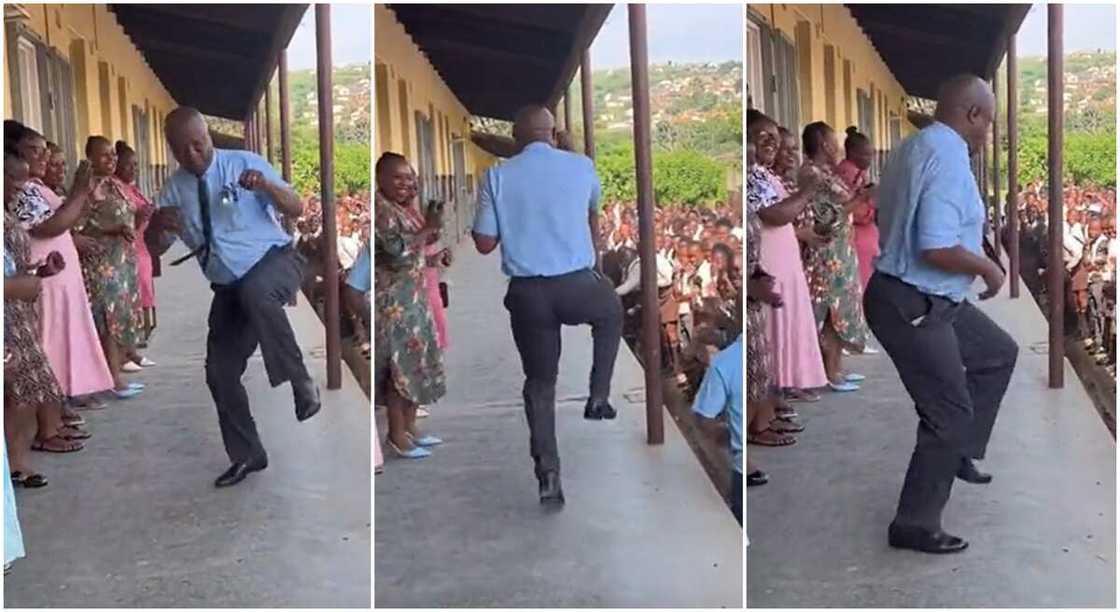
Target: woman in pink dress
x: 795, y: 353
x: 437, y: 259
x: 67, y: 332
x: 143, y: 207
x: 853, y: 170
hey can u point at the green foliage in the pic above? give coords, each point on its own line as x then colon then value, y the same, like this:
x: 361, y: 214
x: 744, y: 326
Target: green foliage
x: 680, y: 178
x: 1087, y: 157
x: 351, y: 167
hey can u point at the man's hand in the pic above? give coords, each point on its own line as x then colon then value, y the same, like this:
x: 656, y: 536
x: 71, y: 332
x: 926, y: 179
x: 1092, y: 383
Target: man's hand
x: 993, y: 277
x: 168, y: 220
x: 252, y: 180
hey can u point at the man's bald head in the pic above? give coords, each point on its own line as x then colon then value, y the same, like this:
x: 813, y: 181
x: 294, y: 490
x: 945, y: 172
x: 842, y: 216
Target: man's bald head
x: 967, y: 104
x: 188, y: 136
x: 534, y: 124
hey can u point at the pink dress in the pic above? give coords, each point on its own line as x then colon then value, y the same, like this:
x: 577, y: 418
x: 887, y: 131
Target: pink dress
x: 431, y: 282
x: 143, y: 208
x: 865, y: 235
x: 66, y: 330
x: 795, y: 352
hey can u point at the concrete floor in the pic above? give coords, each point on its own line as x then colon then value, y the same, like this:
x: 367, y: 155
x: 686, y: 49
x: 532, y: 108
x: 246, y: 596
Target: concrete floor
x: 643, y: 526
x: 1043, y: 533
x: 135, y: 521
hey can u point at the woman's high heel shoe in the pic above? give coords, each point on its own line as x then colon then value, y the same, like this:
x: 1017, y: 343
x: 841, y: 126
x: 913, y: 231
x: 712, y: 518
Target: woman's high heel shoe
x: 413, y: 453
x: 425, y: 440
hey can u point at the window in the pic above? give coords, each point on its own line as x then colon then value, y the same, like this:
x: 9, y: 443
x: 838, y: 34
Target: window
x: 756, y: 97
x: 426, y: 164
x: 31, y: 113
x: 777, y: 87
x: 830, y: 85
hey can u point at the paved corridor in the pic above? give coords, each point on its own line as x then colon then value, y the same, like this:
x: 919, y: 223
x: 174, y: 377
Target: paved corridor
x: 643, y: 526
x: 1042, y: 534
x: 134, y: 520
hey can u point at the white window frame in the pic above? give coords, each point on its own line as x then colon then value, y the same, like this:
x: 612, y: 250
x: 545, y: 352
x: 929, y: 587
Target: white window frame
x: 756, y: 77
x: 28, y: 62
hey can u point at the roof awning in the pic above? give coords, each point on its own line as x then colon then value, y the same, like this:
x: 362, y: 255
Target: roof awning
x: 217, y: 58
x: 925, y: 44
x: 499, y: 58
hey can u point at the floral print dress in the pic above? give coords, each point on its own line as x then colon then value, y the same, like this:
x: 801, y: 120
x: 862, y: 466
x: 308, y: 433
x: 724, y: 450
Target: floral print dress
x: 29, y: 378
x: 832, y: 269
x: 758, y: 349
x: 111, y: 276
x: 407, y: 357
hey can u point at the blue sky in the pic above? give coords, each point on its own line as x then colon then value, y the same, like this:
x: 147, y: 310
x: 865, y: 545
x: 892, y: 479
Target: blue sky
x: 681, y: 33
x: 351, y: 26
x: 1087, y: 27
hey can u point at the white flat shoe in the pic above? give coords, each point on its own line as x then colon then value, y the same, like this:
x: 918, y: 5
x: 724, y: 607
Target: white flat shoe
x: 131, y: 367
x: 147, y: 363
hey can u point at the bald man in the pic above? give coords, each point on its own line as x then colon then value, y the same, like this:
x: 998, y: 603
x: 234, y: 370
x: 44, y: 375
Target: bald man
x: 226, y: 206
x: 954, y: 361
x: 542, y: 207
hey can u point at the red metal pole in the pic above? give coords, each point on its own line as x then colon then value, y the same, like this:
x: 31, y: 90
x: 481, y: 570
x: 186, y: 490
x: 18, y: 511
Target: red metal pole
x: 285, y: 121
x: 643, y: 161
x: 588, y: 105
x: 1013, y: 163
x: 1055, y: 270
x: 326, y: 179
x: 268, y: 121
x: 997, y: 205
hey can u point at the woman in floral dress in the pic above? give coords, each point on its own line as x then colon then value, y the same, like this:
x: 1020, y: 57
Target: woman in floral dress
x: 408, y: 363
x: 111, y: 273
x: 142, y: 207
x: 825, y: 231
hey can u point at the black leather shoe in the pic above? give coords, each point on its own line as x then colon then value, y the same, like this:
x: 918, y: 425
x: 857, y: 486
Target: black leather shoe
x: 238, y: 471
x: 551, y: 492
x: 923, y: 540
x: 969, y: 473
x: 595, y: 411
x: 307, y: 399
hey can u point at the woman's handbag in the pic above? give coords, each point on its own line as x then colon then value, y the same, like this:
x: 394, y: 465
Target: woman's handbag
x: 444, y: 296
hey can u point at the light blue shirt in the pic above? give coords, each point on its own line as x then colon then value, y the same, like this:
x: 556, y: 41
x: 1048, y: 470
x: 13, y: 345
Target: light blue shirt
x: 537, y: 205
x: 245, y: 223
x: 359, y: 276
x: 722, y: 391
x: 9, y: 265
x: 929, y: 200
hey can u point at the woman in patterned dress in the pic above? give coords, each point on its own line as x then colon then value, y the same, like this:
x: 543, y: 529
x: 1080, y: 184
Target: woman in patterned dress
x: 111, y: 273
x: 67, y: 333
x: 829, y: 257
x: 32, y: 397
x: 142, y: 207
x: 795, y: 360
x: 408, y: 363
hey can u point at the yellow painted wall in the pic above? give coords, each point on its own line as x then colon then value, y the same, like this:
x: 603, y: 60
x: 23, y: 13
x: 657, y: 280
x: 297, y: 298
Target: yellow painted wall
x: 401, y: 72
x: 89, y: 35
x: 812, y: 27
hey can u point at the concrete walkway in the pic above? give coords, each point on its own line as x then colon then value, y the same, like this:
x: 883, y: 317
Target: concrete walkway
x: 135, y: 521
x: 1042, y: 534
x: 643, y: 526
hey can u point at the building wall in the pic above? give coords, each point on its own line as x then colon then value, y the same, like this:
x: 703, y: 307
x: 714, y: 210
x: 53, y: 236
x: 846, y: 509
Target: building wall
x: 110, y: 75
x: 405, y: 84
x: 816, y: 28
x: 404, y: 75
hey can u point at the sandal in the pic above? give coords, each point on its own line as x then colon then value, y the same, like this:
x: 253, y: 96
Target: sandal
x: 786, y: 426
x: 28, y: 481
x: 75, y: 420
x: 797, y: 395
x: 73, y: 433
x: 769, y: 437
x: 57, y: 445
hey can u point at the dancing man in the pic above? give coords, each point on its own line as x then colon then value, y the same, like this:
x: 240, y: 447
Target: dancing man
x: 955, y: 362
x: 226, y: 205
x: 542, y: 206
